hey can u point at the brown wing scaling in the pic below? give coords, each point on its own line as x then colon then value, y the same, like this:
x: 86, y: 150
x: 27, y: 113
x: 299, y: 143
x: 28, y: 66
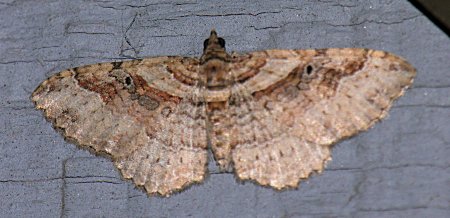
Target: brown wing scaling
x: 303, y: 101
x: 134, y: 113
x: 270, y: 116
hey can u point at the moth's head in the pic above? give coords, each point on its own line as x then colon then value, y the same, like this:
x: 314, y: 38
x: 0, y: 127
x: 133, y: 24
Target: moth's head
x: 214, y: 47
x: 213, y: 42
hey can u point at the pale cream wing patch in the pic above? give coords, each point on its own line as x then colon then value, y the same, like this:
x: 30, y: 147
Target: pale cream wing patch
x: 154, y: 137
x: 299, y: 110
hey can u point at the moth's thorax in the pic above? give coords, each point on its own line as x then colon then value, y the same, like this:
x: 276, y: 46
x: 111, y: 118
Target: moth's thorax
x: 217, y: 73
x: 216, y: 53
x: 215, y: 62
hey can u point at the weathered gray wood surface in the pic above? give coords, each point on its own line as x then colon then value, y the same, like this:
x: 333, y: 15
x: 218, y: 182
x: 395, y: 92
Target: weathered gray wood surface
x: 400, y: 168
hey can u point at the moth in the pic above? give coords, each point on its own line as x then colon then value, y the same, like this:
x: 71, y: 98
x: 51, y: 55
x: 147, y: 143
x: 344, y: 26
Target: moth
x: 268, y: 116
